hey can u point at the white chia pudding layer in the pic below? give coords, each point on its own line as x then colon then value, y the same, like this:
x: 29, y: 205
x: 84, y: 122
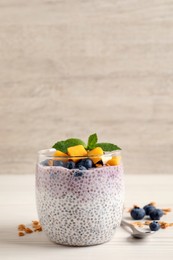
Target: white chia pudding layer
x: 79, y: 208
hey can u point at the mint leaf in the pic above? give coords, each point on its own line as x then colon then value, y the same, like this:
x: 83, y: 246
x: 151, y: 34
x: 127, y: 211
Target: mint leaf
x: 92, y: 140
x: 74, y: 141
x: 63, y: 145
x: 108, y: 147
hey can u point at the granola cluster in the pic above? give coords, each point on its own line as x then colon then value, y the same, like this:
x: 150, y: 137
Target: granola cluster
x: 35, y: 227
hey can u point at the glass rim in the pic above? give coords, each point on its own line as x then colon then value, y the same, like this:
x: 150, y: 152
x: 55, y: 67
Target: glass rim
x: 47, y: 153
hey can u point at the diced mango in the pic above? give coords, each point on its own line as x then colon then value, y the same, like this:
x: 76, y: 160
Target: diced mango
x: 96, y: 151
x: 114, y: 161
x: 59, y: 153
x: 77, y: 150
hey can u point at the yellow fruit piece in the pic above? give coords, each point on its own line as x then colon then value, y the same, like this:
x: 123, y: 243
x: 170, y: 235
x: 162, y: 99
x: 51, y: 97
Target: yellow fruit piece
x: 59, y: 153
x: 77, y: 150
x: 96, y: 151
x: 114, y: 161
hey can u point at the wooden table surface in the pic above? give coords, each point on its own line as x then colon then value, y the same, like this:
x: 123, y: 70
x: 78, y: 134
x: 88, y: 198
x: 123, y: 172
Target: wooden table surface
x: 17, y: 205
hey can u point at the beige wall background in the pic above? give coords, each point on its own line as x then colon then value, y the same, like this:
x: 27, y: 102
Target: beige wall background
x: 71, y: 68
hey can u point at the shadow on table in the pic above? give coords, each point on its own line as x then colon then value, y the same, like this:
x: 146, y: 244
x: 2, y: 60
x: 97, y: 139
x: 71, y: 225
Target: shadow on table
x: 9, y: 236
x: 133, y: 240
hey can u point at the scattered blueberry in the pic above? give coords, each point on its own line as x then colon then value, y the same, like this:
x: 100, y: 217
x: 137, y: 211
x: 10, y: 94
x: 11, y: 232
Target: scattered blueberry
x: 81, y: 168
x: 154, y: 226
x: 58, y: 163
x: 88, y: 163
x: 78, y: 174
x: 148, y: 209
x: 70, y: 165
x: 137, y: 213
x: 156, y: 214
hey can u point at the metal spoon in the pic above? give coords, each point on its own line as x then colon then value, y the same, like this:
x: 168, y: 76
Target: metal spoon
x: 136, y: 232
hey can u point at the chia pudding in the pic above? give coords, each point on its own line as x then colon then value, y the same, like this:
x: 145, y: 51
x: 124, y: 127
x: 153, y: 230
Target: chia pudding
x: 79, y: 208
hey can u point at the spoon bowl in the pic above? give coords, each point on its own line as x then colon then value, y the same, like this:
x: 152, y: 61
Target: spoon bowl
x: 136, y: 232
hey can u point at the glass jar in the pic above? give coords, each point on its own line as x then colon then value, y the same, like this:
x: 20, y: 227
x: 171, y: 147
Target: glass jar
x: 79, y: 207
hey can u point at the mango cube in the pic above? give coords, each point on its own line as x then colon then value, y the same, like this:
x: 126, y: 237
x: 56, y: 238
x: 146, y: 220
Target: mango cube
x: 96, y: 151
x: 77, y: 150
x: 114, y: 161
x: 59, y: 153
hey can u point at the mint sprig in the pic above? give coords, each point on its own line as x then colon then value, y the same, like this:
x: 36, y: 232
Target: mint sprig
x: 92, y: 140
x: 63, y: 145
x: 108, y: 147
x: 92, y: 143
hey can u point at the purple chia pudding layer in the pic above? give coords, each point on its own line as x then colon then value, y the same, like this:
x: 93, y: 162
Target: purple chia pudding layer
x: 79, y: 208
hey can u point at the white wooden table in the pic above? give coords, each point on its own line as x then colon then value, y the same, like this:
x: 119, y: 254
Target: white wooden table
x: 17, y: 205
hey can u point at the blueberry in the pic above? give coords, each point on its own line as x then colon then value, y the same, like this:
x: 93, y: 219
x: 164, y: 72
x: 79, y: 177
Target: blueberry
x: 45, y: 163
x: 58, y: 163
x: 80, y: 163
x: 88, y: 163
x: 70, y: 165
x: 78, y: 174
x: 156, y: 214
x: 148, y: 209
x: 81, y: 168
x: 154, y: 226
x: 137, y: 213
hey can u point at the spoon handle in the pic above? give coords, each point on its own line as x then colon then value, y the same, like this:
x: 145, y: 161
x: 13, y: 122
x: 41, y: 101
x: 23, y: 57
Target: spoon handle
x: 126, y: 223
